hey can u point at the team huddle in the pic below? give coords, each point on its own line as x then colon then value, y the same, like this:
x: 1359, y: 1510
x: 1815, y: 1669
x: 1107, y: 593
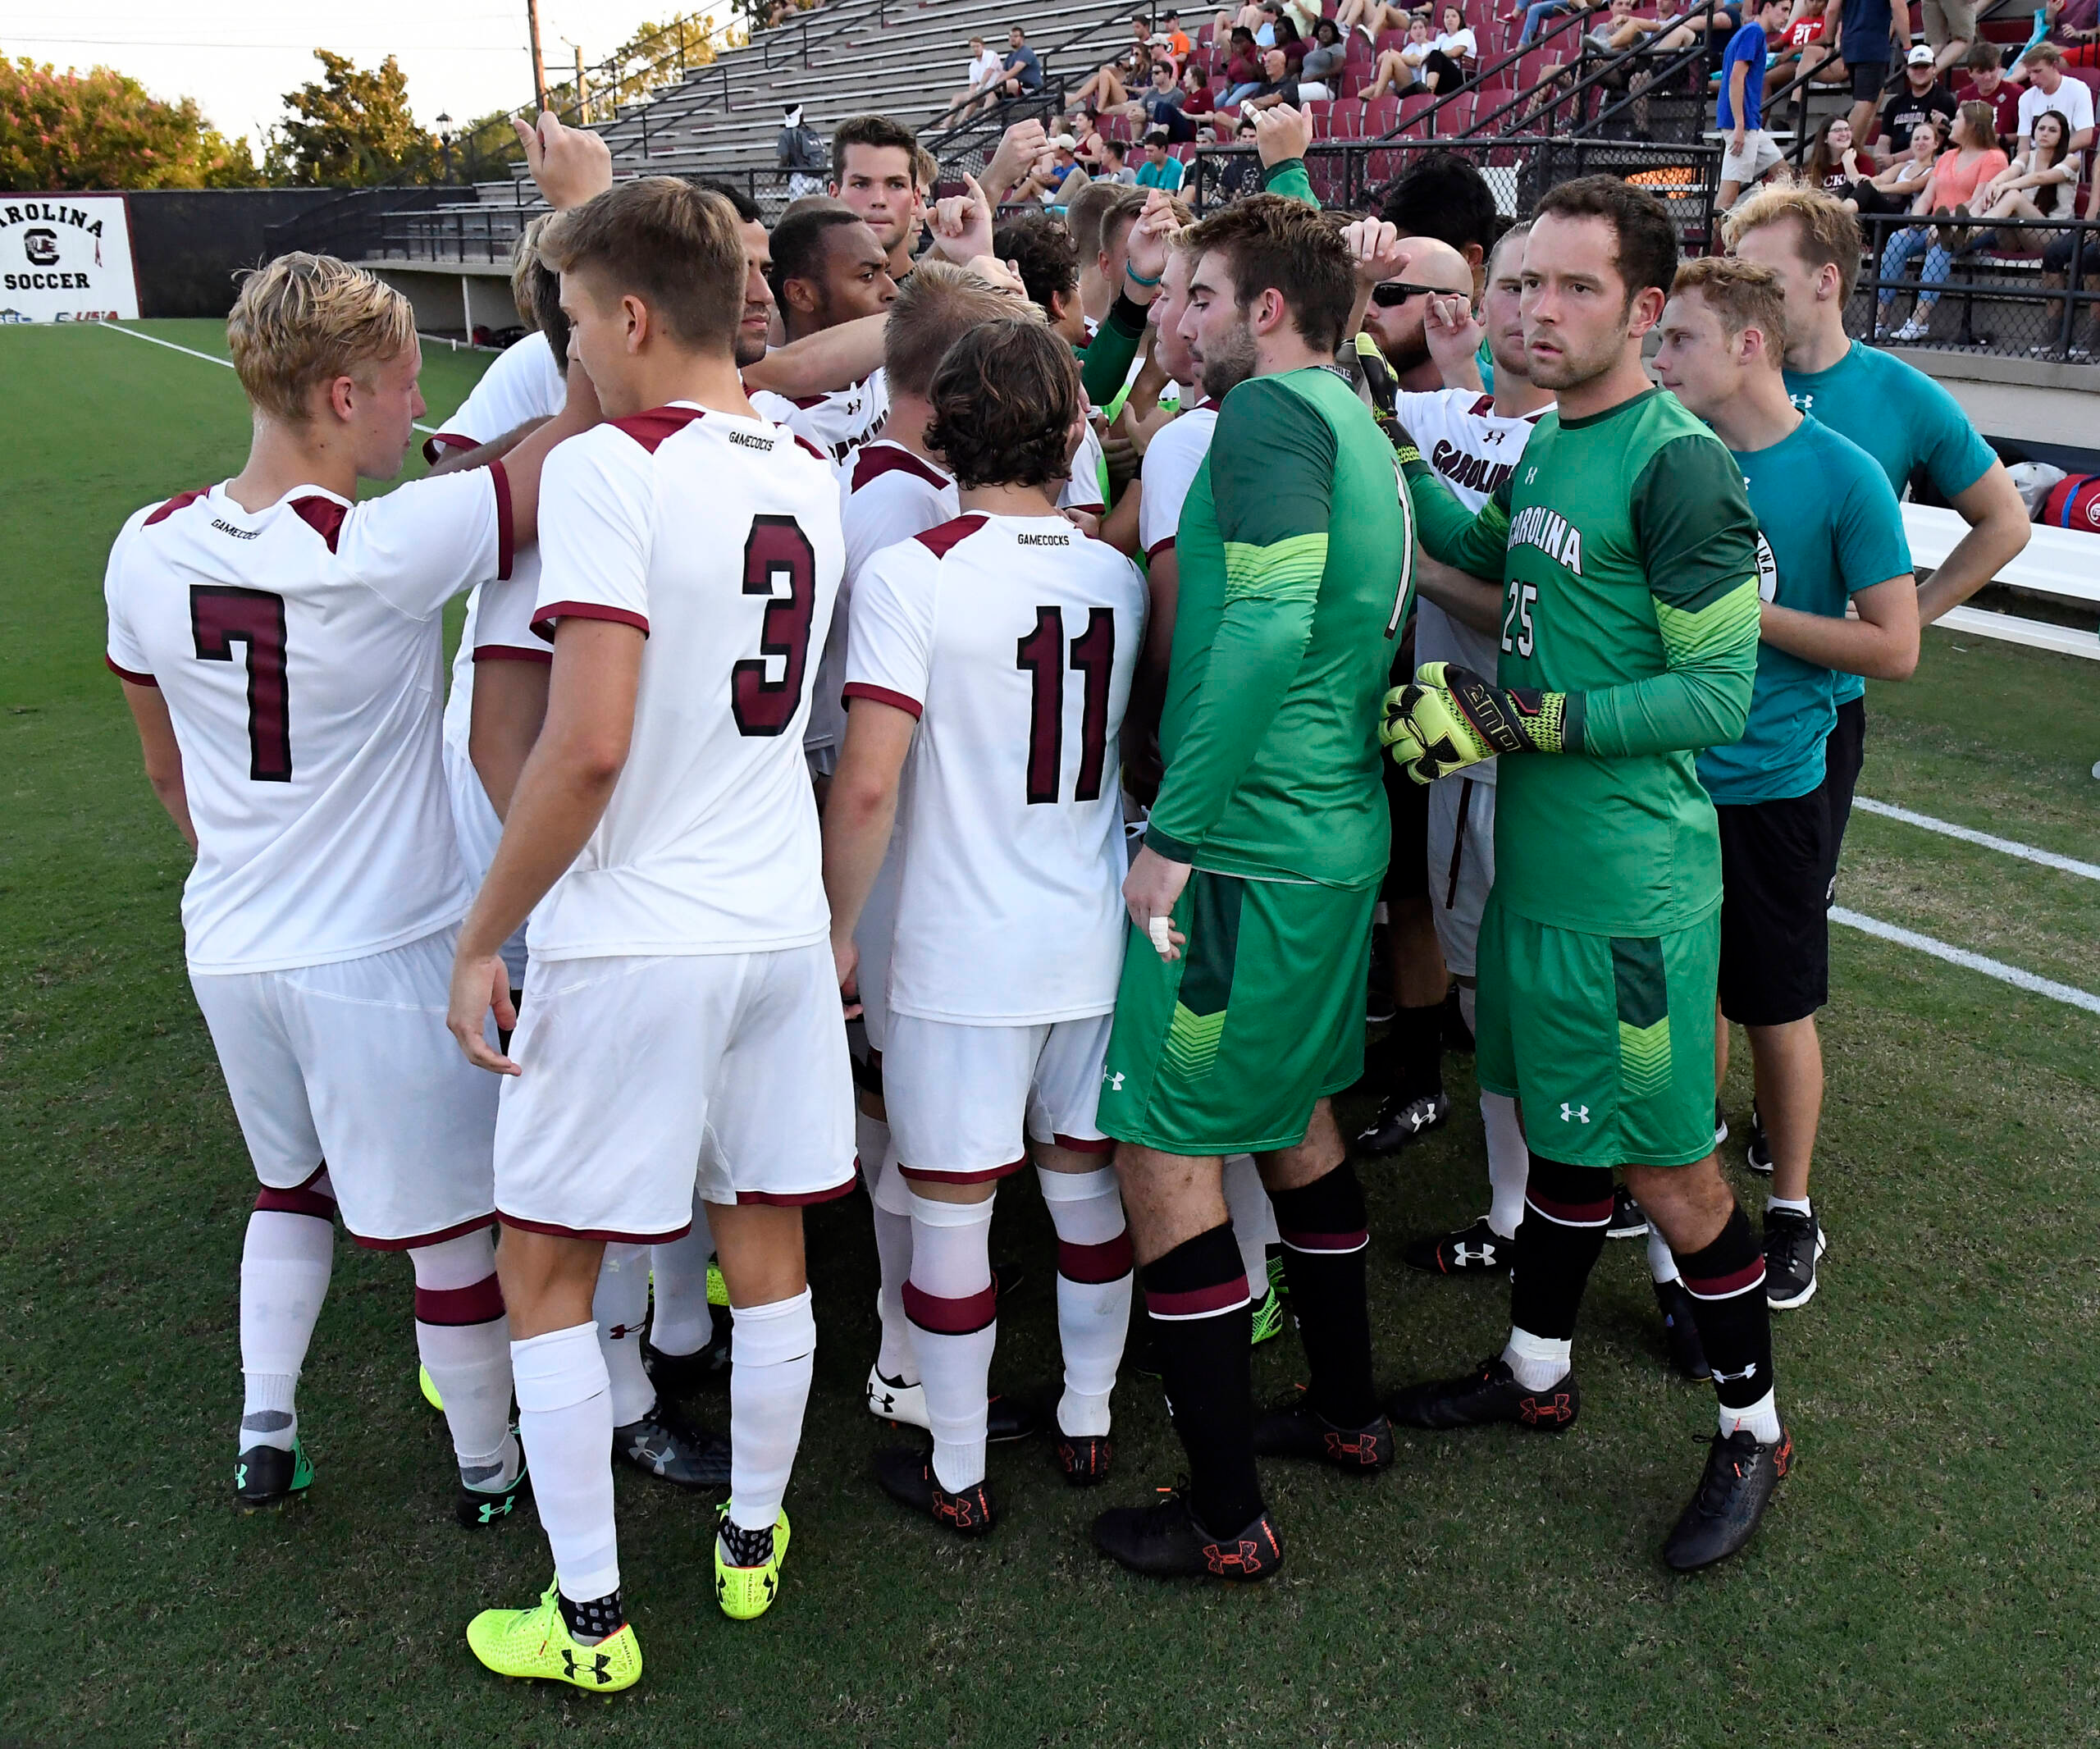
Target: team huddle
x: 819, y: 800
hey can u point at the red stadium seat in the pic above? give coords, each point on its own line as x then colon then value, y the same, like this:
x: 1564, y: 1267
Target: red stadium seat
x: 1413, y: 109
x: 1396, y: 40
x: 1380, y: 116
x: 1345, y: 121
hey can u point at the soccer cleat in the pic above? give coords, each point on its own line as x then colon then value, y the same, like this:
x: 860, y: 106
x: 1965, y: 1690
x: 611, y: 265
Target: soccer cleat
x: 1401, y: 1122
x: 1268, y: 1317
x: 536, y: 1642
x: 1681, y: 1330
x: 1279, y: 1278
x: 1733, y: 1493
x: 266, y: 1476
x: 1084, y: 1458
x: 1491, y: 1393
x: 907, y: 1476
x: 1792, y: 1243
x: 681, y: 1375
x: 1720, y: 1124
x: 430, y: 1388
x: 1628, y: 1220
x: 1006, y: 1418
x: 1758, y: 1156
x: 478, y: 1508
x: 1166, y: 1541
x: 718, y: 1290
x: 747, y: 1577
x: 1293, y: 1428
x: 1475, y: 1250
x: 663, y: 1445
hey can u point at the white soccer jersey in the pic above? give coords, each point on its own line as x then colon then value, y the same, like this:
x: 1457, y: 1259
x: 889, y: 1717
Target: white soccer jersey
x: 718, y: 536
x: 889, y: 496
x: 1176, y: 451
x: 839, y: 422
x: 1083, y: 490
x: 1012, y: 639
x: 1474, y: 450
x: 300, y: 652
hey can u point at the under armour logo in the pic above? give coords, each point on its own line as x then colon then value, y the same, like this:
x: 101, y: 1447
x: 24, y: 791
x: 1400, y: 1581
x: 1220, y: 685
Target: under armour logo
x: 1556, y: 1410
x: 1531, y: 475
x: 1721, y: 1375
x: 1244, y: 1557
x: 490, y: 1510
x: 598, y: 1666
x: 1463, y: 1255
x: 1573, y: 1113
x: 240, y: 1475
x: 1115, y: 1081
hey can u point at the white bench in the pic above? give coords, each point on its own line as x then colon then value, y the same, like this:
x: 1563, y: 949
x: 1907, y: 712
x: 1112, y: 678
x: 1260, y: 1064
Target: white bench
x: 2056, y: 562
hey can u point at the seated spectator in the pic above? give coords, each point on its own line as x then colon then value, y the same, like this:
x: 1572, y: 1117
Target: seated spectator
x: 1045, y: 182
x: 1278, y: 84
x: 1242, y: 69
x: 1455, y: 51
x: 1112, y: 164
x: 799, y: 149
x: 1241, y: 173
x: 1372, y: 18
x: 1197, y: 103
x: 1159, y: 169
x: 2041, y: 183
x: 1400, y: 69
x: 1323, y: 62
x: 1973, y: 162
x: 1987, y: 84
x: 1295, y: 47
x: 1834, y: 162
x: 1896, y: 187
x: 1170, y: 27
x: 1921, y: 96
x: 2074, y: 28
x: 1023, y: 71
x: 2047, y: 89
x: 981, y: 73
x: 1161, y: 106
x: 1803, y: 48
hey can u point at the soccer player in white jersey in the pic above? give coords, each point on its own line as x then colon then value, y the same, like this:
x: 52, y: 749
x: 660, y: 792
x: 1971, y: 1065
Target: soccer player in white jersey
x: 993, y: 656
x: 682, y: 1022
x: 828, y: 269
x: 277, y: 643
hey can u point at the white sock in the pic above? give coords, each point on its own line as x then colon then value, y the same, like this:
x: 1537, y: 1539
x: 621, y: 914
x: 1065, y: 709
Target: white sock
x: 1761, y: 1418
x: 1094, y: 1277
x: 463, y: 1336
x: 565, y: 1418
x: 1662, y: 1261
x: 776, y: 1347
x: 619, y: 1303
x: 1793, y: 1205
x: 1508, y: 1161
x: 683, y: 1322
x: 1253, y: 1222
x: 954, y: 1311
x: 285, y: 1264
x: 893, y: 1254
x: 1538, y: 1361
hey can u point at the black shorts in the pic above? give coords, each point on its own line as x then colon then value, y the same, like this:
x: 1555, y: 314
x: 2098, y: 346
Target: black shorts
x: 1775, y: 931
x: 1407, y: 874
x: 1868, y: 78
x: 1844, y: 752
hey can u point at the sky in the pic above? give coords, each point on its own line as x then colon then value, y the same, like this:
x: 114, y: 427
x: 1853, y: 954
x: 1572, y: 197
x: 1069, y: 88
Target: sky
x: 238, y: 57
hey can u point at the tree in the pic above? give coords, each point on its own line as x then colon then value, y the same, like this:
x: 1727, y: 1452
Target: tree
x: 99, y: 129
x: 349, y: 129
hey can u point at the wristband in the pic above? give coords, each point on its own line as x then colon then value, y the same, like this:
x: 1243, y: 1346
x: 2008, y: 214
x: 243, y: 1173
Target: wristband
x: 1137, y: 278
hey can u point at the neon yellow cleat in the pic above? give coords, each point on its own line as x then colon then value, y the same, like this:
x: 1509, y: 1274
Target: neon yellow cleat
x: 718, y: 1290
x: 430, y: 1388
x: 536, y: 1642
x: 746, y: 1593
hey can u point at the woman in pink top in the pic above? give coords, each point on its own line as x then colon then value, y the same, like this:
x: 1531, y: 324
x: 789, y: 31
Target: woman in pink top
x: 1974, y: 161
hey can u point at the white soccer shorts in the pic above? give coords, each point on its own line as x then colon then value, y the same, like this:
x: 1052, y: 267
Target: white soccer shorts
x: 475, y: 825
x: 1461, y: 866
x: 643, y: 1079
x: 960, y: 1098
x: 351, y: 1064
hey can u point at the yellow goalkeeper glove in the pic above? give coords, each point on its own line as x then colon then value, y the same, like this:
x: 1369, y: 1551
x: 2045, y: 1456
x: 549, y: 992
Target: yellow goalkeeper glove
x: 1447, y: 718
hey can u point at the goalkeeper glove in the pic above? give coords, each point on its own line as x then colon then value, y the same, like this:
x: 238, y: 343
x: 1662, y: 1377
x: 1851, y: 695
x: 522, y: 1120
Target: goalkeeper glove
x: 1447, y: 718
x: 1384, y: 388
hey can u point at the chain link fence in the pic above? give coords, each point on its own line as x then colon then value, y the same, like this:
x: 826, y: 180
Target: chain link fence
x: 2017, y: 288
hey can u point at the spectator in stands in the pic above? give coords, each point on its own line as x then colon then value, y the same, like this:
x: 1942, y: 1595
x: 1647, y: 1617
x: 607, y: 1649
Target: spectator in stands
x: 979, y: 76
x: 1987, y: 84
x: 1197, y: 103
x: 1802, y: 49
x: 1922, y: 98
x: 1537, y: 13
x: 875, y: 171
x: 1294, y: 46
x: 827, y: 268
x: 1023, y: 71
x: 1046, y: 179
x: 1974, y: 161
x: 2041, y: 184
x: 1278, y: 85
x: 1241, y: 173
x: 1620, y: 30
x: 1325, y: 58
x: 1242, y: 69
x: 2047, y: 89
x: 1115, y: 83
x: 1112, y: 165
x: 798, y: 148
x: 1750, y: 151
x: 1455, y: 53
x: 1868, y: 39
x: 1401, y: 71
x: 1835, y: 162
x: 1170, y: 27
x: 1896, y: 187
x: 1372, y: 18
x: 1161, y: 106
x: 1160, y: 170
x: 1950, y: 28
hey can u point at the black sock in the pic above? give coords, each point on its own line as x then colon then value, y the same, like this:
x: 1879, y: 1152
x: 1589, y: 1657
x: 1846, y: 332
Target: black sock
x: 1202, y: 1325
x: 1566, y: 1210
x: 745, y: 1548
x: 598, y: 1620
x: 1325, y: 1242
x: 1416, y: 1042
x: 1725, y: 1281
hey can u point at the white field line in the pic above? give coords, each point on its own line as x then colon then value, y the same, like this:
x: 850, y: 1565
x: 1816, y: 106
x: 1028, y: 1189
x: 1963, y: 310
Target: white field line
x: 2010, y: 846
x: 154, y: 339
x: 1961, y: 956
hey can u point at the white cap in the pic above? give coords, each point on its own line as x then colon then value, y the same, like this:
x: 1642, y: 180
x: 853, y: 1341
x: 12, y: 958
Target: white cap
x: 1065, y: 141
x: 1921, y: 56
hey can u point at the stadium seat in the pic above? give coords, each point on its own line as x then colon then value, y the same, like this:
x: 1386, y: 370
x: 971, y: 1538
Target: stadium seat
x: 1412, y: 110
x: 1396, y: 40
x: 1379, y: 116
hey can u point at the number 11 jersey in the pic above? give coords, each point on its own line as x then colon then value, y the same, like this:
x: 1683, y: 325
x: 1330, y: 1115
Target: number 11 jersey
x: 1012, y: 639
x: 718, y: 538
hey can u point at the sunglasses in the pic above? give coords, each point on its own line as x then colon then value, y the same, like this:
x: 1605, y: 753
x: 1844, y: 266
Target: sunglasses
x: 1391, y: 292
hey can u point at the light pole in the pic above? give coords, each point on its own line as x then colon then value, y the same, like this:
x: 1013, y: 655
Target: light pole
x: 444, y: 141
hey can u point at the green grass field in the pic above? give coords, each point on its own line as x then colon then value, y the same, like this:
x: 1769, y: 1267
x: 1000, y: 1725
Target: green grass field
x: 1927, y: 1576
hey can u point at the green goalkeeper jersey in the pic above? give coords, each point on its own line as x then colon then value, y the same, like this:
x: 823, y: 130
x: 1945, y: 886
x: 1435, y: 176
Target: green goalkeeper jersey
x: 1628, y: 555
x: 1296, y: 549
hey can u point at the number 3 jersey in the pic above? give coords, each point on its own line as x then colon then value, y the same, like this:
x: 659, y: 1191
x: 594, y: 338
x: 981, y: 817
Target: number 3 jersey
x: 1012, y: 639
x: 717, y: 537
x: 299, y: 651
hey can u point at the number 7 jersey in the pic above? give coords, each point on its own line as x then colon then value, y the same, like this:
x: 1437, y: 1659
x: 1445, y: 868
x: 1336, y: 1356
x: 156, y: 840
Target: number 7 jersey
x: 717, y: 537
x: 1012, y: 639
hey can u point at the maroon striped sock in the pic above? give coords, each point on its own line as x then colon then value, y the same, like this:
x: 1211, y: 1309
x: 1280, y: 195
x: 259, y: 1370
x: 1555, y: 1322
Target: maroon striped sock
x: 1726, y: 1281
x: 1566, y: 1210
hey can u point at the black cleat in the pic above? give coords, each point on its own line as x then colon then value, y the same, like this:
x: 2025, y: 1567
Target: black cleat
x: 1681, y: 1330
x: 680, y: 1376
x: 661, y: 1444
x: 1401, y: 1122
x: 1492, y: 1393
x: 479, y: 1508
x: 1741, y: 1475
x: 1792, y: 1243
x: 1628, y: 1220
x: 266, y: 1477
x: 1476, y: 1250
x: 906, y: 1476
x: 1758, y: 1155
x: 1009, y: 1418
x: 1084, y: 1458
x: 1166, y: 1540
x: 1293, y: 1428
x: 1720, y: 1124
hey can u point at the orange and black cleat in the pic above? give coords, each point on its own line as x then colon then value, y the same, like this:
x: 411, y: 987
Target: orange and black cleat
x: 907, y: 1475
x: 1293, y: 1428
x: 1167, y: 1540
x: 1084, y: 1458
x: 1489, y: 1394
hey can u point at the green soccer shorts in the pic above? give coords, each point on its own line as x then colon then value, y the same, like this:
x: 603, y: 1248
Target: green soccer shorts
x: 1226, y: 1049
x: 1607, y: 1042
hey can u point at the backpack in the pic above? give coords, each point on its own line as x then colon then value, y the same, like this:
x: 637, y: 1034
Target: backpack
x: 2073, y: 502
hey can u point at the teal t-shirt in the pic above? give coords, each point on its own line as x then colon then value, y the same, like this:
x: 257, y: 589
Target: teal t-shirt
x: 1903, y: 419
x: 1828, y: 526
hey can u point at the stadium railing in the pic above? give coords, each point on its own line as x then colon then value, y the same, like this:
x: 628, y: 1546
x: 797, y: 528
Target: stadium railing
x: 2005, y: 292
